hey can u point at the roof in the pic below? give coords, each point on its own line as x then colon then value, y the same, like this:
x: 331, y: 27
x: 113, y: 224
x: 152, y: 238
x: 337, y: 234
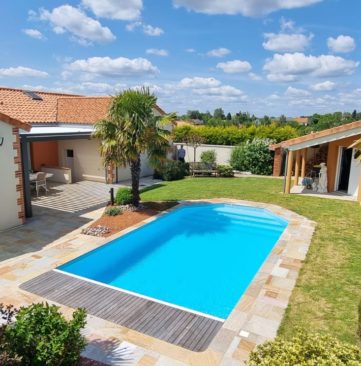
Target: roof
x: 320, y: 137
x: 16, y: 104
x: 14, y: 122
x: 82, y: 110
x: 54, y: 107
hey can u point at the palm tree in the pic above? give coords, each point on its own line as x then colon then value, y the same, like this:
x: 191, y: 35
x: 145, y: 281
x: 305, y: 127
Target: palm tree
x: 131, y: 130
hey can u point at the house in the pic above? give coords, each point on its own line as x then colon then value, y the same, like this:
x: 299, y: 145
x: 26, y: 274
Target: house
x: 299, y: 156
x: 12, y: 208
x: 302, y: 120
x: 52, y: 132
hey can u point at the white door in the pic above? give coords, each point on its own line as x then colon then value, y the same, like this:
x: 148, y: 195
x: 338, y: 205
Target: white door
x: 355, y: 172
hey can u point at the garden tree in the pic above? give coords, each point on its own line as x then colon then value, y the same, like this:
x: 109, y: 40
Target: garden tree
x: 130, y: 130
x: 283, y: 119
x: 266, y: 120
x: 354, y: 115
x: 194, y: 114
x: 229, y: 116
x: 219, y: 113
x: 194, y: 140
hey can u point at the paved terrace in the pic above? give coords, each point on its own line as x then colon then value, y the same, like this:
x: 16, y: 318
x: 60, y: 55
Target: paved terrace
x: 254, y: 320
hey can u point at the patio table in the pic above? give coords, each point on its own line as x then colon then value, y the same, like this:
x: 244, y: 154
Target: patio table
x: 32, y: 176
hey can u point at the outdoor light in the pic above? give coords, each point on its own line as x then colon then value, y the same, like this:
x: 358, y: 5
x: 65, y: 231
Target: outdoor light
x: 1, y: 141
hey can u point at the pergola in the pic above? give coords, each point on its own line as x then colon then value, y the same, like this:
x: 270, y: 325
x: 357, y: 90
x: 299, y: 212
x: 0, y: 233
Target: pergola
x: 296, y: 151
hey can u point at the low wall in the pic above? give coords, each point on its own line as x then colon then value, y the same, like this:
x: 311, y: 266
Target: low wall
x: 223, y: 152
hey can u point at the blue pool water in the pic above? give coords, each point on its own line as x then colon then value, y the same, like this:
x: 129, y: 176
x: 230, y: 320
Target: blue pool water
x: 201, y: 257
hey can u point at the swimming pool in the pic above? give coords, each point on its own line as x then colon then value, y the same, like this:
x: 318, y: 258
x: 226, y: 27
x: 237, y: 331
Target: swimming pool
x: 201, y: 257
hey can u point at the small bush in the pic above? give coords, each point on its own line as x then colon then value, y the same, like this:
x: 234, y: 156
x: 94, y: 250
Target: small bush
x: 209, y: 157
x: 225, y: 171
x: 254, y: 157
x: 173, y: 170
x: 113, y: 211
x: 124, y: 196
x: 305, y: 349
x: 42, y: 336
x: 7, y: 317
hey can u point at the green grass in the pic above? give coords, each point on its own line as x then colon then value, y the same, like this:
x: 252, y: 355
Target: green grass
x: 328, y: 290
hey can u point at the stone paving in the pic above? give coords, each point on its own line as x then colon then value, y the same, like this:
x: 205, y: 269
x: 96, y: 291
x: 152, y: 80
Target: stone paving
x: 255, y: 318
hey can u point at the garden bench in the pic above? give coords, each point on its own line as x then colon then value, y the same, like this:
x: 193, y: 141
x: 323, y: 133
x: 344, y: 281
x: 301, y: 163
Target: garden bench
x: 202, y: 169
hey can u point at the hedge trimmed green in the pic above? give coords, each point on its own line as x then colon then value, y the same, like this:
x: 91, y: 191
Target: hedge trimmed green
x: 234, y: 135
x: 124, y: 196
x: 305, y: 349
x: 253, y: 157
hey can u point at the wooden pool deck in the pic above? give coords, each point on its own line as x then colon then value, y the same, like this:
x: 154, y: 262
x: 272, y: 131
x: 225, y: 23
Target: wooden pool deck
x: 177, y: 326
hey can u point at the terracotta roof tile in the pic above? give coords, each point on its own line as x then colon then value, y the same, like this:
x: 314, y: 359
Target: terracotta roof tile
x: 15, y: 103
x: 14, y: 122
x: 82, y: 109
x: 54, y: 107
x: 315, y: 135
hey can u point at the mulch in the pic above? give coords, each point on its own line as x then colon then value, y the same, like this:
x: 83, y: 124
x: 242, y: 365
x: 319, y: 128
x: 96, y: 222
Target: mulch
x: 130, y: 218
x: 87, y: 362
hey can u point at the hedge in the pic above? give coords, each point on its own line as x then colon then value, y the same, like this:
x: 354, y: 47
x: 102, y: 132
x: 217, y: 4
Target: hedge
x: 234, y: 135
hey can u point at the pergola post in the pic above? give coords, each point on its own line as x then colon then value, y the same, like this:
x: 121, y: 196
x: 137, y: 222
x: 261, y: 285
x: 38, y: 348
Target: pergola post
x: 297, y: 167
x: 303, y: 163
x: 289, y: 172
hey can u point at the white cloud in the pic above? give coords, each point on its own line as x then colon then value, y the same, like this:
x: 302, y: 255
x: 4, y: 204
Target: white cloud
x: 222, y: 90
x: 190, y: 50
x: 324, y: 86
x: 115, y: 9
x: 283, y: 42
x: 33, y: 33
x: 199, y: 82
x: 295, y: 92
x: 290, y: 66
x: 341, y: 44
x: 244, y: 7
x: 111, y: 67
x: 146, y: 28
x: 218, y: 52
x: 254, y: 76
x: 157, y: 52
x: 234, y: 67
x: 66, y: 18
x: 21, y: 71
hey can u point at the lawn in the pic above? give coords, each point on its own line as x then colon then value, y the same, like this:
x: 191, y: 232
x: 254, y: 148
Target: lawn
x: 328, y: 290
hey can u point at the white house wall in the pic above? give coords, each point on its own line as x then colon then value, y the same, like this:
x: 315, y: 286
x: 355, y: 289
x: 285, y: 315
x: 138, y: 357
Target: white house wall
x: 87, y: 163
x: 9, y: 209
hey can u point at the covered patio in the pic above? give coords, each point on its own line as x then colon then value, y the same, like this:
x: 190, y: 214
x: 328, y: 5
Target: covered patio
x: 300, y: 158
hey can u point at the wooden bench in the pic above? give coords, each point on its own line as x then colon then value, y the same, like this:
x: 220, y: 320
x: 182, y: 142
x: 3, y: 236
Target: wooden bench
x: 202, y: 169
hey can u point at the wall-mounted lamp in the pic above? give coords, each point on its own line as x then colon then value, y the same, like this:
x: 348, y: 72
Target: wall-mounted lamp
x: 1, y: 141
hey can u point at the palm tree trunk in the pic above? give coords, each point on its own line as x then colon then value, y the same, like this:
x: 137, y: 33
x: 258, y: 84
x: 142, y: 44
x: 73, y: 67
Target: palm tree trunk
x: 135, y: 172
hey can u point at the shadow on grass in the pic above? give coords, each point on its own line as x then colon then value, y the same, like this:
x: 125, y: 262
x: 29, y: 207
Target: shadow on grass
x: 151, y: 188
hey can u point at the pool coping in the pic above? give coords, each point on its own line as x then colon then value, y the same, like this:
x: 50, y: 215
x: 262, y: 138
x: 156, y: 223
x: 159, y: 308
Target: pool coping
x: 259, y: 311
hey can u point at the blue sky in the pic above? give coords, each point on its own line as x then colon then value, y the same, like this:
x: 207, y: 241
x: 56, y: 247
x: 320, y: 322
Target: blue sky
x: 272, y: 57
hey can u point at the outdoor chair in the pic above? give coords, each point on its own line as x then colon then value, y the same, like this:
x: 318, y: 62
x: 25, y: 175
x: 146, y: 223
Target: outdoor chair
x: 40, y: 182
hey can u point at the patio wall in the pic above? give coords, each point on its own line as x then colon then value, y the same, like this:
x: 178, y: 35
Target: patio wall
x: 44, y: 153
x: 223, y: 152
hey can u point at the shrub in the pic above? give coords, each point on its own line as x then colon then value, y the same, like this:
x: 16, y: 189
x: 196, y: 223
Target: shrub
x: 209, y: 157
x: 254, y: 157
x: 305, y: 349
x: 124, y: 196
x: 42, y: 336
x: 113, y: 211
x: 225, y: 171
x: 173, y: 170
x: 234, y: 135
x: 7, y: 316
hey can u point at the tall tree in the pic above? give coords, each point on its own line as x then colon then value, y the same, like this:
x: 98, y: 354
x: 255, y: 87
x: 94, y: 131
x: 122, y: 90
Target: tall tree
x: 130, y: 130
x: 219, y: 113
